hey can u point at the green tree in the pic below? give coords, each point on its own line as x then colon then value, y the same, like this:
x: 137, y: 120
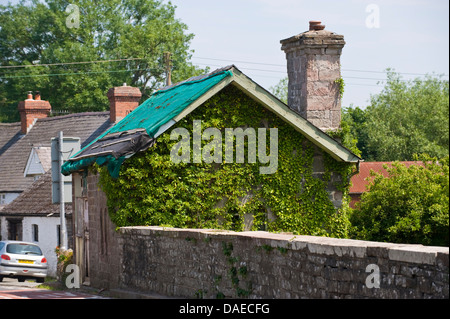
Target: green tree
x: 280, y: 90
x: 354, y: 120
x: 406, y: 118
x: 40, y: 32
x: 410, y: 205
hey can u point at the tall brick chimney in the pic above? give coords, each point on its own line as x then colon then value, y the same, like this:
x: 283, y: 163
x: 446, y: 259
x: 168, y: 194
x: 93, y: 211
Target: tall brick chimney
x: 30, y: 110
x: 313, y: 63
x: 122, y: 101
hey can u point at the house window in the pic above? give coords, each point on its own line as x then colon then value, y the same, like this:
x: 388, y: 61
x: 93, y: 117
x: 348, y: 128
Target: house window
x: 14, y: 229
x: 35, y: 232
x: 2, y: 199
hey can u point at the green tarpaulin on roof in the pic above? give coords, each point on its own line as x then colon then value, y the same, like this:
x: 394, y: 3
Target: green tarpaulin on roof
x: 164, y: 105
x: 158, y: 110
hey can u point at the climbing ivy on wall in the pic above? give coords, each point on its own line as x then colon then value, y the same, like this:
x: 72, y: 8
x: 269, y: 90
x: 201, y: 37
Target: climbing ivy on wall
x: 152, y: 190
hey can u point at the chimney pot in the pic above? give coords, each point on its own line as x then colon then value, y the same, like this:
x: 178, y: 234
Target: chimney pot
x: 316, y: 25
x: 29, y: 95
x: 37, y: 96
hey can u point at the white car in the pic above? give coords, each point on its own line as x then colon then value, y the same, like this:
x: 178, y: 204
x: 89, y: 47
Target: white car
x: 22, y: 260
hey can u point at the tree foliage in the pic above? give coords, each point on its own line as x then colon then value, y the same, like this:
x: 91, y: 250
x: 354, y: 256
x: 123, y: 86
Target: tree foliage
x: 354, y: 121
x: 410, y: 205
x: 406, y: 118
x: 280, y: 90
x: 36, y: 32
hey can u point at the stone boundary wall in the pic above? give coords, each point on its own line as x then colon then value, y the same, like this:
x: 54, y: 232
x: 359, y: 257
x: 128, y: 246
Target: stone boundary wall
x: 220, y: 264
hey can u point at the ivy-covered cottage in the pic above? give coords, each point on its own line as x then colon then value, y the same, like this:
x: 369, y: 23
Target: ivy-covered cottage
x: 219, y: 151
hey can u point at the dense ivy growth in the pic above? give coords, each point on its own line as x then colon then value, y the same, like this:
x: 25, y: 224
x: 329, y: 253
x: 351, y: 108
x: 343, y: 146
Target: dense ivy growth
x: 152, y: 190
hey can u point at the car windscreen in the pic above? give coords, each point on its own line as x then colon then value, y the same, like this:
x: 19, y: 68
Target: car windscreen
x: 23, y: 249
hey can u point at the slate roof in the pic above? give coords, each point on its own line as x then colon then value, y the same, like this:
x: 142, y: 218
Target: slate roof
x: 15, y: 148
x: 36, y: 200
x: 9, y: 134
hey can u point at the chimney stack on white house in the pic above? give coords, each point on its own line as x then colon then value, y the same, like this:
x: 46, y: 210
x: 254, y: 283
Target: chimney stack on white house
x: 122, y: 101
x: 313, y: 64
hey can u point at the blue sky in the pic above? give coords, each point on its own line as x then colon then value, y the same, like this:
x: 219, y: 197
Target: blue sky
x: 412, y: 36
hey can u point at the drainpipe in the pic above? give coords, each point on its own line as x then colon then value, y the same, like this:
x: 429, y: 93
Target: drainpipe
x: 354, y: 173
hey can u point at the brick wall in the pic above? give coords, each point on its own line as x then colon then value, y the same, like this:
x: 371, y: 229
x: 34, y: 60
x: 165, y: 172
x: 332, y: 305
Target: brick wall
x: 211, y: 264
x: 103, y: 241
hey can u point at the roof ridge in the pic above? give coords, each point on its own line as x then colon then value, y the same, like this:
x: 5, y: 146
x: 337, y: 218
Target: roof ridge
x: 388, y: 162
x: 54, y: 118
x: 61, y: 117
x: 10, y: 124
x: 194, y: 79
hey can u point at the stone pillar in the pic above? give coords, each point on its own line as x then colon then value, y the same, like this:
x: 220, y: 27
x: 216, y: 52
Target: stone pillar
x: 313, y: 64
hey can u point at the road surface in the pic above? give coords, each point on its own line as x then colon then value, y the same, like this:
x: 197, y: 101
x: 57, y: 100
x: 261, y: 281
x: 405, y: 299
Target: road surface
x: 12, y: 289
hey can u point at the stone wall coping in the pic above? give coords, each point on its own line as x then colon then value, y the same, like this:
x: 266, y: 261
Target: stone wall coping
x: 418, y: 254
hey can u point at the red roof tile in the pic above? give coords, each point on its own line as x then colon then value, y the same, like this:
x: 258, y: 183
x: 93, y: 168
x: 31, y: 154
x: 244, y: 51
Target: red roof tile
x: 359, y: 181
